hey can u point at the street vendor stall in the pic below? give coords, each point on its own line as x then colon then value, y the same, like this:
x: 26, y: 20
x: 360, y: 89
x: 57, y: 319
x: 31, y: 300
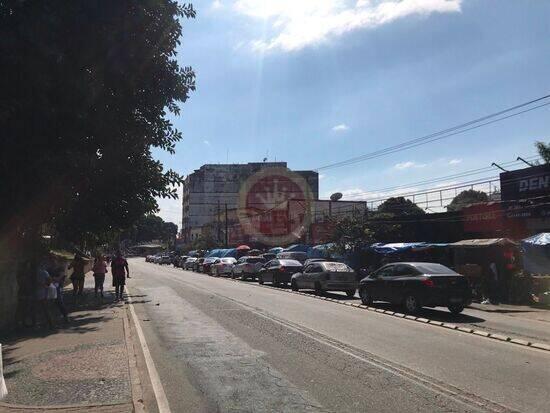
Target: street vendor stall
x: 535, y: 255
x: 489, y: 264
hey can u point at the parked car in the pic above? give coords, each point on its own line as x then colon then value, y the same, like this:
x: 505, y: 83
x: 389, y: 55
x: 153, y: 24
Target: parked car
x: 189, y: 263
x: 293, y: 255
x: 279, y: 271
x: 157, y: 258
x: 165, y: 259
x: 197, y: 265
x: 223, y: 266
x: 268, y: 256
x: 149, y: 258
x: 324, y: 276
x: 247, y: 267
x: 415, y: 285
x: 181, y: 261
x: 312, y: 260
x: 207, y: 263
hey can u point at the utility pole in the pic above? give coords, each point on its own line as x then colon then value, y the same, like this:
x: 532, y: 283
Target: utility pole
x: 226, y: 231
x: 219, y: 222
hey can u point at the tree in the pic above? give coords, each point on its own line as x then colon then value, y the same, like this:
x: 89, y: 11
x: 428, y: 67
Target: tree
x: 544, y: 151
x: 470, y: 196
x: 86, y: 90
x: 400, y: 206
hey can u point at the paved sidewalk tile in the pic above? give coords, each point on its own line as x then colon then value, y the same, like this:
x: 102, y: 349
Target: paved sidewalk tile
x: 82, y: 363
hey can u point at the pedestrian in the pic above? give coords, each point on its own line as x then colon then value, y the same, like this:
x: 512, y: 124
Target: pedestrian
x: 120, y: 271
x: 57, y: 274
x: 77, y: 277
x: 43, y: 282
x: 99, y: 269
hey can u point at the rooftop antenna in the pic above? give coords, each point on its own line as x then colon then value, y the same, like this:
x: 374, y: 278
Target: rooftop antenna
x: 499, y: 167
x: 524, y: 161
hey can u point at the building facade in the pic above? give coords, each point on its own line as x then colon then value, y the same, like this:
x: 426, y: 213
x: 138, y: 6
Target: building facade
x: 212, y: 188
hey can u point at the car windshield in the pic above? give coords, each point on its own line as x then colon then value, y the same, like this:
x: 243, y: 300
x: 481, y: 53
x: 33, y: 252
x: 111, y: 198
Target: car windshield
x: 228, y: 260
x: 336, y: 267
x: 290, y: 263
x: 433, y: 268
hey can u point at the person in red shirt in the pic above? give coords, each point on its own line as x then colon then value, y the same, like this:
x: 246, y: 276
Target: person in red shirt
x: 99, y: 270
x: 120, y: 271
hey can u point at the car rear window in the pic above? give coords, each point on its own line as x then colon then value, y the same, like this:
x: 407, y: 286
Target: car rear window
x: 336, y: 267
x: 290, y: 263
x: 255, y: 260
x: 433, y: 268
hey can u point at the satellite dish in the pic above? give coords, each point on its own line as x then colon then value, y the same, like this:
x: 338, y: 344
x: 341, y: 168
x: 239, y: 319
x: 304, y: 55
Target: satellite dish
x: 336, y: 196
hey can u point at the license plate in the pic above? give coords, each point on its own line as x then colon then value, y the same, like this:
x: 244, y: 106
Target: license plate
x: 455, y: 300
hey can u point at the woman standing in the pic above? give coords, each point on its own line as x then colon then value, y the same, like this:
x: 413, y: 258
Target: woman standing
x: 99, y: 269
x: 77, y: 277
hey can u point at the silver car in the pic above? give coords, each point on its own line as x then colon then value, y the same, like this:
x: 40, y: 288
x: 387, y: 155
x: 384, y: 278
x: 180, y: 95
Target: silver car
x: 189, y: 263
x: 247, y: 267
x: 325, y: 276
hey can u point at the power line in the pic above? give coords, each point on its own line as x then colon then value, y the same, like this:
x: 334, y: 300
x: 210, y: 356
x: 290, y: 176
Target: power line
x: 443, y: 134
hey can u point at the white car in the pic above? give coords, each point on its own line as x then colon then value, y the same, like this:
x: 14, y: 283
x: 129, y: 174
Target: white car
x: 222, y: 266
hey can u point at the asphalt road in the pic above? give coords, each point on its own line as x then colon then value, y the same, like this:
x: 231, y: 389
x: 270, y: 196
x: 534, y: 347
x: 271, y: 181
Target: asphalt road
x: 227, y: 346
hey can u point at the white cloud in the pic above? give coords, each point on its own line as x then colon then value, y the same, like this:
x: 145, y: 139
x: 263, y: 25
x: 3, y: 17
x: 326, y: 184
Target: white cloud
x: 409, y: 164
x: 455, y: 161
x: 216, y: 5
x: 293, y: 25
x: 206, y: 142
x: 340, y: 128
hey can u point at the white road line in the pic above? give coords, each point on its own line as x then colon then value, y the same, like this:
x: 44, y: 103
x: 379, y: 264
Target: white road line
x: 158, y: 389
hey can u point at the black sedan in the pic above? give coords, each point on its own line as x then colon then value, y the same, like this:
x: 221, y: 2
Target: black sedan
x: 415, y: 285
x: 279, y: 271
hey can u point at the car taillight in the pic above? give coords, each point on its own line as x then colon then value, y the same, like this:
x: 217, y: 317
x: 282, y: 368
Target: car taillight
x: 282, y: 269
x: 427, y: 282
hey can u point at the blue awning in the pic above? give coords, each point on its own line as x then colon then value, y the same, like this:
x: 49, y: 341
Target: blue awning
x: 536, y: 253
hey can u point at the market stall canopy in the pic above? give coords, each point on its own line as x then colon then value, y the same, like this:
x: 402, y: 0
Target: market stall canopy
x: 297, y: 248
x: 276, y: 250
x: 485, y: 242
x: 243, y: 248
x: 320, y: 251
x: 536, y: 253
x: 394, y: 247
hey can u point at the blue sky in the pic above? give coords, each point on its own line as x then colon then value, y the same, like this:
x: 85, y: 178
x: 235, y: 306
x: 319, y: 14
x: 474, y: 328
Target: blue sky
x: 312, y: 82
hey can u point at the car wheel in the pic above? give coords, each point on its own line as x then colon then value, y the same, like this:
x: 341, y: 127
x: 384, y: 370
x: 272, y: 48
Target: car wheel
x: 411, y: 303
x: 456, y: 309
x: 260, y: 280
x: 318, y: 290
x: 294, y: 285
x: 275, y: 281
x: 350, y: 293
x: 366, y: 297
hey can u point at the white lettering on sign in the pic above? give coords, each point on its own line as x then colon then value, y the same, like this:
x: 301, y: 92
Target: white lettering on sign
x: 534, y: 184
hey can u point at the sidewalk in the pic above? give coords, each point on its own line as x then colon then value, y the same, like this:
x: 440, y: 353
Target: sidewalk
x: 539, y: 313
x: 84, y: 365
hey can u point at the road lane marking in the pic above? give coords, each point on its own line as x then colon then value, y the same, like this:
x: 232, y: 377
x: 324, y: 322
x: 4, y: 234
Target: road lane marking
x: 158, y: 389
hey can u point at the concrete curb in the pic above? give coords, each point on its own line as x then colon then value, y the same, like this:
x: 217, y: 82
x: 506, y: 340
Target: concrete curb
x: 135, y: 381
x: 449, y: 326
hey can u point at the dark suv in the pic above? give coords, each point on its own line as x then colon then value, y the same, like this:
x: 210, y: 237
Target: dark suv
x: 416, y: 284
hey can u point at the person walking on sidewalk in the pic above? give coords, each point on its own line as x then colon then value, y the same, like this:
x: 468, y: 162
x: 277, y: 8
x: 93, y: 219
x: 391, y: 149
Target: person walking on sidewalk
x: 57, y: 273
x: 120, y: 271
x: 43, y: 282
x: 77, y: 277
x: 99, y: 269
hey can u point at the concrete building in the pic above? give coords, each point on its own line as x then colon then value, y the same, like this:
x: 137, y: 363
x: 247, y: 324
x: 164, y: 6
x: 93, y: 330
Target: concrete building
x: 213, y: 187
